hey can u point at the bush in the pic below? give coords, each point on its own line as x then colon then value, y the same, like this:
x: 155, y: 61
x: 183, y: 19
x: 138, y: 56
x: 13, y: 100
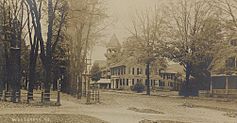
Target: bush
x: 139, y: 87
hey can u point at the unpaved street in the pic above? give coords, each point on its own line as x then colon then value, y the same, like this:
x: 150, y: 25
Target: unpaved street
x: 132, y: 108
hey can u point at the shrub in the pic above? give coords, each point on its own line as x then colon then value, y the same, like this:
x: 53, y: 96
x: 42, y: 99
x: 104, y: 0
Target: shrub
x: 139, y: 87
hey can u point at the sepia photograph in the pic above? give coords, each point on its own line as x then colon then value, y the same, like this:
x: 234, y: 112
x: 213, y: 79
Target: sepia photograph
x: 118, y: 61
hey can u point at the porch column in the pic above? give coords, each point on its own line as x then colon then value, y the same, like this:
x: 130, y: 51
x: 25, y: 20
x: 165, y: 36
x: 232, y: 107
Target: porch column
x: 211, y: 87
x: 226, y: 85
x: 112, y: 84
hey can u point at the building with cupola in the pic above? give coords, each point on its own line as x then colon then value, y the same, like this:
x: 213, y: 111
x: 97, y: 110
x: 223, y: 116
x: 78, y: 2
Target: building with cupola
x: 125, y: 71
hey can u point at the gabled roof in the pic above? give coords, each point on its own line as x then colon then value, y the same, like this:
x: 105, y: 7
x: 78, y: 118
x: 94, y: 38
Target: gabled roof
x: 126, y: 61
x: 175, y: 68
x: 114, y: 42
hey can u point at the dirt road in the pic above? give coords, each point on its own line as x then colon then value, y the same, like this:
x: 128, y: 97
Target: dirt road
x: 132, y: 108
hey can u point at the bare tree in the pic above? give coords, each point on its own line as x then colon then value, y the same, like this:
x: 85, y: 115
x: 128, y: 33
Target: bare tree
x: 148, y: 29
x: 84, y: 29
x: 54, y: 9
x: 12, y: 30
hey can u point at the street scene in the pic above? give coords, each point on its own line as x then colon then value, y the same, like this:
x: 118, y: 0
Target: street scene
x: 118, y: 61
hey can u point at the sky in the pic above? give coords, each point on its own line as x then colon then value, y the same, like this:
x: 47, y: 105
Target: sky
x: 121, y: 13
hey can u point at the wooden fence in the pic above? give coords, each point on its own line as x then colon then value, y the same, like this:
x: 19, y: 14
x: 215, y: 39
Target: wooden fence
x: 93, y: 96
x: 25, y: 96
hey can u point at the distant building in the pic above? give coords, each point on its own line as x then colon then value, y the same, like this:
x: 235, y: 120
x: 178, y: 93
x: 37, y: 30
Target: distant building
x: 105, y: 72
x: 124, y: 72
x: 224, y: 72
x: 127, y: 73
x: 171, y: 77
x: 102, y: 84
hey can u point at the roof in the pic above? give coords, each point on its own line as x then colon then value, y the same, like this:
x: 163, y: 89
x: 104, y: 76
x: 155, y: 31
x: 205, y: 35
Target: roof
x: 175, y: 68
x: 128, y: 61
x: 113, y: 43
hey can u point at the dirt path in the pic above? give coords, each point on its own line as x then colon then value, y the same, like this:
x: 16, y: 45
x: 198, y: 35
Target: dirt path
x: 132, y: 108
x: 115, y: 109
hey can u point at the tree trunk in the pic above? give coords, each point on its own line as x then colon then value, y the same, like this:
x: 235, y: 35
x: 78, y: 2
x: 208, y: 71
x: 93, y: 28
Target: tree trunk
x: 148, y: 78
x: 48, y: 57
x: 187, y: 80
x: 15, y: 72
x: 188, y: 74
x: 32, y: 69
x: 31, y: 78
x: 47, y: 83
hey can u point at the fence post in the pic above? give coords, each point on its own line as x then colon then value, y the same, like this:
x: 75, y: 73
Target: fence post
x: 19, y: 96
x: 88, y: 97
x: 4, y: 95
x: 58, y: 98
x: 94, y: 95
x: 42, y: 97
x: 1, y: 95
x: 98, y: 101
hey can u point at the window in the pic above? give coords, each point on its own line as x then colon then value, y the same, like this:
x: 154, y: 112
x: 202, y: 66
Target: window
x: 133, y: 71
x: 118, y: 70
x: 233, y: 42
x: 171, y: 84
x: 168, y: 76
x: 172, y: 77
x: 163, y: 76
x: 161, y: 83
x: 231, y: 62
x: 138, y: 80
x: 138, y: 72
x: 133, y: 82
x: 127, y: 82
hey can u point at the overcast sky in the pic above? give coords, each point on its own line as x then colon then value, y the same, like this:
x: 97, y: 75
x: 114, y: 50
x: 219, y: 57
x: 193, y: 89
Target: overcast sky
x: 121, y: 12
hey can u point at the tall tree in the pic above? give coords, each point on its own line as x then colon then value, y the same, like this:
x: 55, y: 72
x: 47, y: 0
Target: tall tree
x: 55, y: 9
x: 148, y: 30
x: 12, y: 29
x: 226, y: 50
x: 195, y: 29
x: 84, y: 29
